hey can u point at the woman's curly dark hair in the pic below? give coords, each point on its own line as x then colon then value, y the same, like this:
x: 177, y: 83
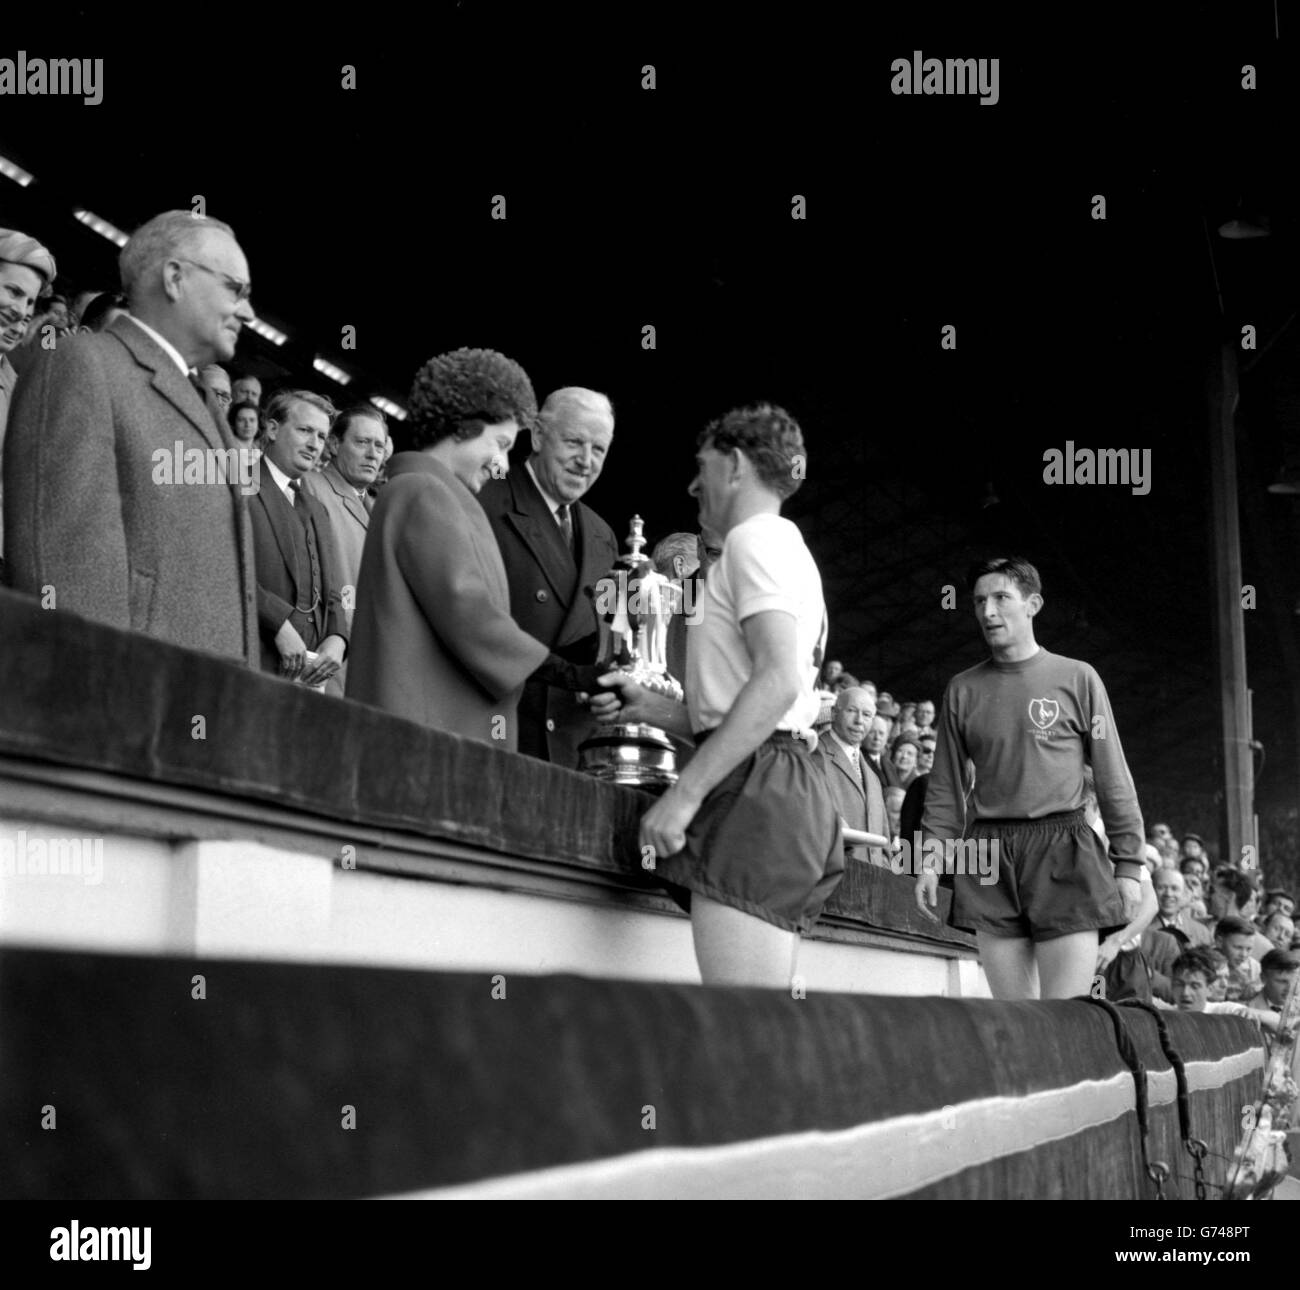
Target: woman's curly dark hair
x: 461, y: 392
x: 770, y: 437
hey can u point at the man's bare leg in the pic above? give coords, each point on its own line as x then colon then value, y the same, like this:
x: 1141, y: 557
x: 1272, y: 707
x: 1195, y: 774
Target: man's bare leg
x: 734, y: 948
x: 1008, y: 963
x: 1067, y: 964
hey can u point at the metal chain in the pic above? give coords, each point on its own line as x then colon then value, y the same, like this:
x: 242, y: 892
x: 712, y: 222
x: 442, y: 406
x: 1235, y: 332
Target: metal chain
x: 1197, y: 1150
x: 1158, y: 1173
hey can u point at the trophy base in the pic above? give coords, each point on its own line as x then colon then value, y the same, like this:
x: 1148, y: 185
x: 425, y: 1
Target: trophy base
x: 640, y: 756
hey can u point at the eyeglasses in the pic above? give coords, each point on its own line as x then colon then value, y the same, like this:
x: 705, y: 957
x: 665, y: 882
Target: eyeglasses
x: 240, y: 290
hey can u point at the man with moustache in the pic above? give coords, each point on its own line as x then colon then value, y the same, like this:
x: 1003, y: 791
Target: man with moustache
x: 87, y: 515
x: 26, y: 269
x: 247, y: 389
x: 556, y: 549
x: 358, y: 436
x: 299, y: 591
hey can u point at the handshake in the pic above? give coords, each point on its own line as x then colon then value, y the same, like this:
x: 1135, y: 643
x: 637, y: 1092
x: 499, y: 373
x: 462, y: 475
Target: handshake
x: 613, y: 697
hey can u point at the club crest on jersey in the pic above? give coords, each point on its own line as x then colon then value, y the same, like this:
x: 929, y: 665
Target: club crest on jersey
x: 1043, y: 712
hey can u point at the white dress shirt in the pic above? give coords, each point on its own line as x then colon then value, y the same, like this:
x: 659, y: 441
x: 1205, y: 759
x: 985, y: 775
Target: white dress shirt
x: 168, y: 348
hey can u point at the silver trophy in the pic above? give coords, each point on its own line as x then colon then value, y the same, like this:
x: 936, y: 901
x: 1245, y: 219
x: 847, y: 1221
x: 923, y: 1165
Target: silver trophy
x: 634, y: 605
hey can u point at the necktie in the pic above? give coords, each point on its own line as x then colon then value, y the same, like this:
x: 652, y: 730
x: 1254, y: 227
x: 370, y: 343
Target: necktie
x: 209, y: 399
x: 295, y: 500
x: 566, y: 524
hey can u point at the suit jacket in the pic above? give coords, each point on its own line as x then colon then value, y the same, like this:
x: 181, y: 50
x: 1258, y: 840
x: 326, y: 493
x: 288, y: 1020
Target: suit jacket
x: 349, y: 521
x: 886, y: 773
x: 549, y: 600
x: 858, y: 795
x: 281, y: 582
x: 1196, y: 933
x: 94, y: 507
x: 432, y: 636
x: 1161, y: 949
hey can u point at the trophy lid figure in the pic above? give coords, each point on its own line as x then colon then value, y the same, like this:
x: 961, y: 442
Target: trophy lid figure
x: 634, y: 606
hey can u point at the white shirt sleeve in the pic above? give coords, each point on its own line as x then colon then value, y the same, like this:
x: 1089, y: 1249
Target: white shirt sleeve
x: 767, y: 570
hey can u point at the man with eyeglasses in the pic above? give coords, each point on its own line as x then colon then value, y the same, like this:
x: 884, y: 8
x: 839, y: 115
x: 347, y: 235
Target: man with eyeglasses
x: 216, y: 380
x: 100, y: 512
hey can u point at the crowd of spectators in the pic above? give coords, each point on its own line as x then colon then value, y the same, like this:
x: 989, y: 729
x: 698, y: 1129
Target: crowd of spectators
x: 157, y: 487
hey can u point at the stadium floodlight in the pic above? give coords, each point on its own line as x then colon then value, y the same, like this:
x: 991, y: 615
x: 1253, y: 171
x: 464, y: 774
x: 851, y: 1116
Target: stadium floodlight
x: 101, y: 226
x: 388, y: 407
x: 15, y: 172
x: 334, y: 372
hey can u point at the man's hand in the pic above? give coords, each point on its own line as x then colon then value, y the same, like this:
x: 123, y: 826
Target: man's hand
x: 1107, y: 952
x: 1131, y: 890
x: 927, y: 893
x: 664, y: 825
x: 619, y: 704
x: 329, y: 659
x: 293, y: 649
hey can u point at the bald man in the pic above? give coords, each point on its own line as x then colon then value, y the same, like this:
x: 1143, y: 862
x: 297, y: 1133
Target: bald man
x: 858, y: 792
x: 556, y: 548
x: 1172, y: 915
x: 93, y: 514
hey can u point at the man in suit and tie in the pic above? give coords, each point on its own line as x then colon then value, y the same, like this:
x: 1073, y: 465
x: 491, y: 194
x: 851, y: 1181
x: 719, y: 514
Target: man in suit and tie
x: 299, y: 603
x: 874, y: 752
x: 91, y: 524
x: 555, y: 549
x: 358, y: 437
x: 858, y: 792
x: 1171, y: 911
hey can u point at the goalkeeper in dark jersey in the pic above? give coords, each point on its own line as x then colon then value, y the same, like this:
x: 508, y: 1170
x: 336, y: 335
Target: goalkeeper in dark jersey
x: 1029, y: 721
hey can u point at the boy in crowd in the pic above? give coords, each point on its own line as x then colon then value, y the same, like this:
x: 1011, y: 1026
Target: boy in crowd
x: 1193, y: 971
x: 1233, y: 937
x: 1277, y: 975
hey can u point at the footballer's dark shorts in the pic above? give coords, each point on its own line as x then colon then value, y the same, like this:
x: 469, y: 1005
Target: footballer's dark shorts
x: 1053, y: 878
x: 766, y: 840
